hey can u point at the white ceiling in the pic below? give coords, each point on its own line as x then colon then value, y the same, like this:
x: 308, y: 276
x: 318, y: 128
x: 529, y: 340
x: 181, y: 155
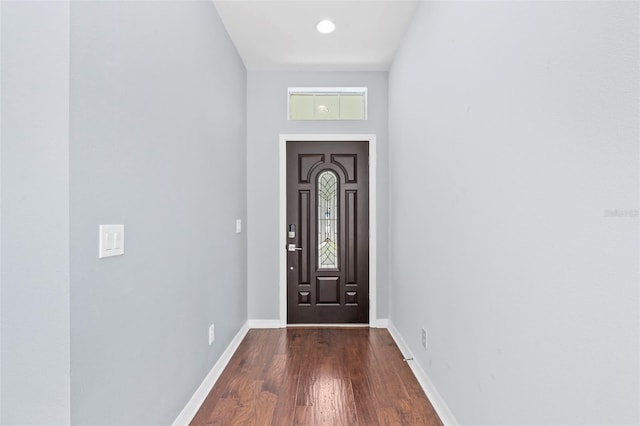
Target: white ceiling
x: 281, y: 35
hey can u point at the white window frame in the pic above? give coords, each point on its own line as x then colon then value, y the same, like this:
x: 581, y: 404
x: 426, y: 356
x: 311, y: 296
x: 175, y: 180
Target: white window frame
x: 327, y: 91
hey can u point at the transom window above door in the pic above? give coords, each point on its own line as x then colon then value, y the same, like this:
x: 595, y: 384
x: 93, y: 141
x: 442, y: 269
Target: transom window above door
x: 327, y: 103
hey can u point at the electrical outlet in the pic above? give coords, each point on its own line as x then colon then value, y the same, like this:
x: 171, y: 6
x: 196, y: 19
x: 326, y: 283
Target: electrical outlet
x: 212, y: 333
x: 424, y: 338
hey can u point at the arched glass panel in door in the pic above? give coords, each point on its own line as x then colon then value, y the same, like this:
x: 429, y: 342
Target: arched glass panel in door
x: 327, y: 220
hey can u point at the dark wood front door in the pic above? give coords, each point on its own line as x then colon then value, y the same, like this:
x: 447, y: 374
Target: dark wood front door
x: 327, y: 232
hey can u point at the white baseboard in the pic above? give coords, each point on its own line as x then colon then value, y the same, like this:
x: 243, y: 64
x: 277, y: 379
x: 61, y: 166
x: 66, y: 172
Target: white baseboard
x: 327, y: 325
x: 436, y: 400
x: 189, y: 411
x: 262, y: 323
x: 258, y: 323
x: 380, y: 323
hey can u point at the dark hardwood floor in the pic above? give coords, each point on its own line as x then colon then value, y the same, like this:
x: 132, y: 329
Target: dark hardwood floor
x: 317, y: 376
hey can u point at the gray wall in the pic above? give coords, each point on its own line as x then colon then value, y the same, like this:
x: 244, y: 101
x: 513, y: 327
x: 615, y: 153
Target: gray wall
x: 158, y: 126
x: 35, y: 212
x: 514, y: 228
x: 266, y: 120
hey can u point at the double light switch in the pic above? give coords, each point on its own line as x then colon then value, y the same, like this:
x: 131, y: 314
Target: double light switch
x: 111, y: 241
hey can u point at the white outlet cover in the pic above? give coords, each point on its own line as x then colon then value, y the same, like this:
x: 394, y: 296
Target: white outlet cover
x: 110, y: 240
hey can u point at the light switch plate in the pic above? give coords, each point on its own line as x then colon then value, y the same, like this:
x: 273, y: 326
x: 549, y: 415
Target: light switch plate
x: 238, y: 226
x: 111, y: 241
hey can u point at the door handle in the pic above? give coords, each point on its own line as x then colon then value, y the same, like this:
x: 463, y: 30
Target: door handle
x: 292, y: 247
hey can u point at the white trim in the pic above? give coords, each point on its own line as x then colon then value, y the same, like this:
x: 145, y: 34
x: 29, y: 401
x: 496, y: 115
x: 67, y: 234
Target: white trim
x: 430, y: 390
x: 380, y: 323
x: 371, y: 138
x: 328, y: 325
x: 263, y: 323
x: 329, y: 90
x: 266, y: 323
x: 189, y: 411
x: 312, y: 90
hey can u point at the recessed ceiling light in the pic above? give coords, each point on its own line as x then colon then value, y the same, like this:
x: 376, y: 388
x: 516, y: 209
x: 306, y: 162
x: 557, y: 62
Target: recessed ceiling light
x: 326, y: 27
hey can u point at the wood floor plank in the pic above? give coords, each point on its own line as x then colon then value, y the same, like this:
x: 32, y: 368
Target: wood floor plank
x: 364, y: 399
x: 317, y: 376
x: 284, y: 410
x: 333, y: 402
x: 265, y: 406
x: 388, y: 416
x: 304, y: 416
x: 222, y: 414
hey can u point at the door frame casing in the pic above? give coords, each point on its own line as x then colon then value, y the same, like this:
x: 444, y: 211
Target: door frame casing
x: 371, y: 140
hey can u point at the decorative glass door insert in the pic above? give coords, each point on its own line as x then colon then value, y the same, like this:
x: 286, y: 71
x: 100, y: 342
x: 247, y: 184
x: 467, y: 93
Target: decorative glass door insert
x: 327, y: 220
